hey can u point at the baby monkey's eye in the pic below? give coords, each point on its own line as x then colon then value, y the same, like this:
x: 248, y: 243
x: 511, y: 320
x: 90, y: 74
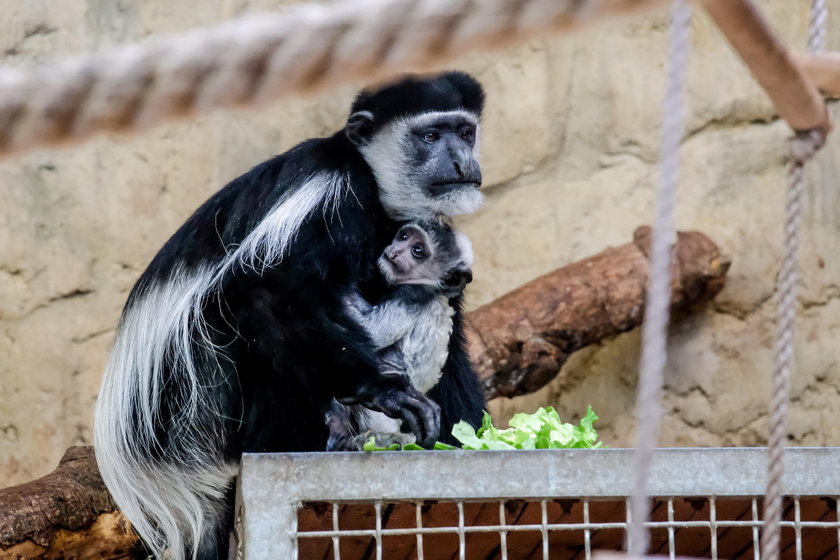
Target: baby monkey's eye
x: 418, y: 251
x: 403, y: 235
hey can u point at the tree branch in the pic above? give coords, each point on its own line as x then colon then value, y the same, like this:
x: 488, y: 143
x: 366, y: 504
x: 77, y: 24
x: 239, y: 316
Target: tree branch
x: 519, y: 342
x: 66, y: 514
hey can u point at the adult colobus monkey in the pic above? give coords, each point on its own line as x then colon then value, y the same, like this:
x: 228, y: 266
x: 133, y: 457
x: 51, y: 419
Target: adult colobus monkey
x: 236, y: 337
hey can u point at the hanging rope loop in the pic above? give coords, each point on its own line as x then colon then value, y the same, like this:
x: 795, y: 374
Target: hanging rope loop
x: 801, y: 148
x: 804, y: 144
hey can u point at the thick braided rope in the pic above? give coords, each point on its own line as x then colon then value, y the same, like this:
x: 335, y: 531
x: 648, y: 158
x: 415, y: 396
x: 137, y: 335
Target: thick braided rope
x: 254, y: 59
x: 657, y: 304
x: 816, y: 26
x: 802, y: 147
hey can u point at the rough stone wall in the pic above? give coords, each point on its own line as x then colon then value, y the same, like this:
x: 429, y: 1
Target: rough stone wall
x: 571, y: 140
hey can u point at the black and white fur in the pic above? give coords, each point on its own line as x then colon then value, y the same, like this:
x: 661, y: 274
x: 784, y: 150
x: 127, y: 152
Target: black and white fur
x: 426, y: 264
x: 236, y: 338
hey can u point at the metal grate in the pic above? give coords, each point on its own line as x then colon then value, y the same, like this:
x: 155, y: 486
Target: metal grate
x: 700, y: 527
x: 511, y: 505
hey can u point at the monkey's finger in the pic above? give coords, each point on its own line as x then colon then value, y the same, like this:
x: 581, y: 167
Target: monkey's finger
x: 420, y: 415
x: 428, y: 418
x: 412, y: 423
x: 432, y: 421
x: 390, y: 403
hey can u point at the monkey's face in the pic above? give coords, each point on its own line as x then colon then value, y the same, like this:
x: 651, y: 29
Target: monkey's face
x: 412, y: 258
x: 428, y: 253
x: 426, y: 165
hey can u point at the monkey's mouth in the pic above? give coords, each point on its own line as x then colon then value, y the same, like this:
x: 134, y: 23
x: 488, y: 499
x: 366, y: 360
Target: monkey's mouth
x: 389, y: 270
x: 447, y: 187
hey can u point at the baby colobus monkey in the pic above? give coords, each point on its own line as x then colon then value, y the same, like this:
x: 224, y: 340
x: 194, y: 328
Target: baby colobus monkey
x: 426, y: 264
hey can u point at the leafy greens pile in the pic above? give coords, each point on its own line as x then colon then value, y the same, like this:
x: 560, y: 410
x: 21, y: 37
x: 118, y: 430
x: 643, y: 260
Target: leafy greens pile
x: 540, y: 430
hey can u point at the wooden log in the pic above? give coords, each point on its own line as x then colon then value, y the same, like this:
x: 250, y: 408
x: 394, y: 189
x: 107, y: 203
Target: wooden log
x: 823, y: 69
x: 519, y: 342
x: 795, y: 97
x: 66, y: 514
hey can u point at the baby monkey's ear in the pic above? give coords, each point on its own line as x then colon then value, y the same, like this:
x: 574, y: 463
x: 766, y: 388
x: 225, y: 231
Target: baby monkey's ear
x: 453, y: 284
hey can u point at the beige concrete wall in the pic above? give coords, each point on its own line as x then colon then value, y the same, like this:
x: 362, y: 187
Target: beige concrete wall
x: 572, y: 130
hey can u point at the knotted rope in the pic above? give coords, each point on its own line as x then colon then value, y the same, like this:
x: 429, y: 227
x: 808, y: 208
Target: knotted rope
x: 254, y: 59
x: 800, y: 149
x: 658, y: 298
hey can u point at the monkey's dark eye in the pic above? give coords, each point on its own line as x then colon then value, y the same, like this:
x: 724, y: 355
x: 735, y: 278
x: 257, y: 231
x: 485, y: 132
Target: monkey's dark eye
x: 431, y: 136
x: 467, y: 134
x: 418, y: 251
x: 402, y: 236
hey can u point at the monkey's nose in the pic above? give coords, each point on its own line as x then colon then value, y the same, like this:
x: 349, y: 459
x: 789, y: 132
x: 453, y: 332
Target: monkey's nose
x: 458, y: 171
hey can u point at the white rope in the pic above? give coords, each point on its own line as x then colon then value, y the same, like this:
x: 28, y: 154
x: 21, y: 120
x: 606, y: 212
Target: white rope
x: 257, y: 58
x: 801, y: 148
x: 658, y: 298
x: 816, y: 26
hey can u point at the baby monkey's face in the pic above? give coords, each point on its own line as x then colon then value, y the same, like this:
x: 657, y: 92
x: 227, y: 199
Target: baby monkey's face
x: 412, y: 258
x: 428, y: 254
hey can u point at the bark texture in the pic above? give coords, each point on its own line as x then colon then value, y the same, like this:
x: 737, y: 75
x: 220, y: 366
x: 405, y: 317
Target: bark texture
x: 66, y: 514
x: 519, y: 342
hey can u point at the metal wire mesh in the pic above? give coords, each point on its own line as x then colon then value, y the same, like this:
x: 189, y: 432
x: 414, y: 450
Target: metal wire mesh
x: 523, y: 505
x: 709, y: 527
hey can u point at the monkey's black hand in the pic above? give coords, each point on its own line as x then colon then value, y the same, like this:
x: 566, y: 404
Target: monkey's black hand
x: 392, y: 393
x: 419, y: 414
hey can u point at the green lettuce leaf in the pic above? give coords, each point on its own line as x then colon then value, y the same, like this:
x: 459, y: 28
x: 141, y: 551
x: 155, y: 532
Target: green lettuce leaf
x: 541, y: 430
